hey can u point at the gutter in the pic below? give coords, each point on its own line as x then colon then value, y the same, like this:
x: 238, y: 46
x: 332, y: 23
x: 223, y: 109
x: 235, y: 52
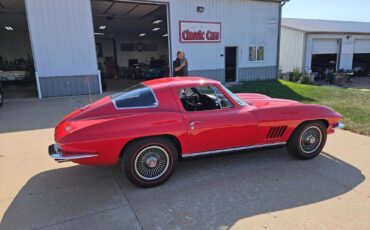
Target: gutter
x: 283, y: 2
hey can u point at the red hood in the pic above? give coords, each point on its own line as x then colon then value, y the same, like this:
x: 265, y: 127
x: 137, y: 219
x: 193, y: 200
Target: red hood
x: 259, y: 100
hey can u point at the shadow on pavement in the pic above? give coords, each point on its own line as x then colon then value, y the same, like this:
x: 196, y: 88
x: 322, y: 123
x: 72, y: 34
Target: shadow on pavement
x: 206, y: 193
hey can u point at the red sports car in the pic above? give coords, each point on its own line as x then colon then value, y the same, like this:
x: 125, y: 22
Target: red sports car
x: 152, y: 125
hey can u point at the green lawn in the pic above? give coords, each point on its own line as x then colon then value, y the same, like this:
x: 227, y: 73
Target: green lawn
x: 353, y: 104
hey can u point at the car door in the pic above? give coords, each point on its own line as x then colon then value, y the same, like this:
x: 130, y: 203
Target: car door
x: 223, y: 126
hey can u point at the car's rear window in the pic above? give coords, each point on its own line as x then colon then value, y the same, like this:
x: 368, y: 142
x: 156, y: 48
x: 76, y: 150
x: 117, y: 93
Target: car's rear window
x: 138, y: 96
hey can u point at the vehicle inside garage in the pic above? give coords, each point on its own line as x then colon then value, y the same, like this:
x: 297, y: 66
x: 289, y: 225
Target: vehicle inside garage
x: 361, y: 57
x: 17, y: 72
x: 131, y: 42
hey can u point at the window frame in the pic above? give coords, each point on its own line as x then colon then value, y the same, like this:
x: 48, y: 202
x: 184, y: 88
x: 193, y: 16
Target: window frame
x: 256, y: 47
x: 155, y: 105
x: 227, y: 96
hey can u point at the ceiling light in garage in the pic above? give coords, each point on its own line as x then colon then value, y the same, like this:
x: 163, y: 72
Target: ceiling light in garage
x: 165, y: 35
x: 102, y: 27
x: 99, y: 33
x: 142, y: 35
x: 156, y: 29
x: 158, y: 21
x: 8, y: 28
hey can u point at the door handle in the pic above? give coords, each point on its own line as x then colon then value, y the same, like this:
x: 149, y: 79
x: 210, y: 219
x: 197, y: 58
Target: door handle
x: 193, y: 123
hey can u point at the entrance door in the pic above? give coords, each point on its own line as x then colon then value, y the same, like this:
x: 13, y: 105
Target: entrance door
x: 230, y: 63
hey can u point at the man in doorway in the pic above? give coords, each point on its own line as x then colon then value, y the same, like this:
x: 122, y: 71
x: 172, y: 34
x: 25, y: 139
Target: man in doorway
x: 180, y: 65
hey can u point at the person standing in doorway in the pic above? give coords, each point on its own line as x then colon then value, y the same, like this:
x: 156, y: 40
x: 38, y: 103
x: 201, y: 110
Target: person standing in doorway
x: 180, y: 65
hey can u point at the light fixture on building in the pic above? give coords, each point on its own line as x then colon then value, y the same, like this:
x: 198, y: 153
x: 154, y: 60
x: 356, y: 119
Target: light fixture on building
x: 142, y: 35
x: 158, y: 21
x: 200, y: 9
x: 165, y: 35
x: 156, y: 29
x: 9, y: 28
x: 99, y: 33
x: 102, y: 27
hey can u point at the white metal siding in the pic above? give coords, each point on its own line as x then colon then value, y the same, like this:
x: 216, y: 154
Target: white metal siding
x: 362, y: 46
x: 325, y: 46
x: 244, y: 23
x: 291, y: 49
x: 62, y: 37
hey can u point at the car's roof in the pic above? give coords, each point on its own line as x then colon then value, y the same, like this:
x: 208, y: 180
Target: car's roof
x: 178, y: 81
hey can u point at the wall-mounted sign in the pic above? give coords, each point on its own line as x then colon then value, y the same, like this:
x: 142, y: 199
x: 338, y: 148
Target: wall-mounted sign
x: 198, y: 32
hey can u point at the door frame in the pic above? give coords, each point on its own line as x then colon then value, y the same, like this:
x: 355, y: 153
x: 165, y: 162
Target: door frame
x: 236, y: 63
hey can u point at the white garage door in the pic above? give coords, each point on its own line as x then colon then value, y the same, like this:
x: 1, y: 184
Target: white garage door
x: 362, y: 46
x: 325, y: 46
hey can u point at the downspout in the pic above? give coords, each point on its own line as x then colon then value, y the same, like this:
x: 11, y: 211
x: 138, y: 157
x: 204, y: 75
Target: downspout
x: 279, y: 37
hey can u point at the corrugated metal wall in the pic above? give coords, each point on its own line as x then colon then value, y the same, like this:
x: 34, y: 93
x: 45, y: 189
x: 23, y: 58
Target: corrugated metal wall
x: 62, y: 39
x: 244, y: 23
x: 292, y: 44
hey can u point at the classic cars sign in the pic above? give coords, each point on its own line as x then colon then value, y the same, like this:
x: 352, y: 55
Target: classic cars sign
x: 199, y: 32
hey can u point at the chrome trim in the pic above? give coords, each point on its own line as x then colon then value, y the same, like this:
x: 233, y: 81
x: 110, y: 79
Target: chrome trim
x: 340, y: 126
x: 58, y: 157
x: 232, y: 150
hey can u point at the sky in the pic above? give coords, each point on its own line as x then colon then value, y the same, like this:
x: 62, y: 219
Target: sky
x: 344, y: 10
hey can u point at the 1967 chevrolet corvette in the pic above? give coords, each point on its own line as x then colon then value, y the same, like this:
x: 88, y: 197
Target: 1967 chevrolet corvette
x: 152, y: 125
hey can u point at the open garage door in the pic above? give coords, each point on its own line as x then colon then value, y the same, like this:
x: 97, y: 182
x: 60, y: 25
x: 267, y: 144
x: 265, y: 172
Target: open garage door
x: 324, y: 54
x: 361, y: 57
x: 131, y: 41
x: 17, y: 72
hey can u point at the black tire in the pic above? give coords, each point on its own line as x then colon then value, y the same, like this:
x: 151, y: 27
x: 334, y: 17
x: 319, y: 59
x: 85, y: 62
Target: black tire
x: 308, y: 140
x: 150, y: 162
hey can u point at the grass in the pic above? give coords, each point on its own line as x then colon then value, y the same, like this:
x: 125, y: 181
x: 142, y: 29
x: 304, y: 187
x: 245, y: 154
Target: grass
x: 353, y: 104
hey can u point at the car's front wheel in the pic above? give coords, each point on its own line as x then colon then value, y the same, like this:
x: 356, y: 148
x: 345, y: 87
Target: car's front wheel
x: 150, y: 162
x: 308, y: 140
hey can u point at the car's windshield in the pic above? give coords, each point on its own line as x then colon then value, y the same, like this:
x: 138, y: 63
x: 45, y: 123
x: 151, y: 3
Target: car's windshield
x: 236, y: 98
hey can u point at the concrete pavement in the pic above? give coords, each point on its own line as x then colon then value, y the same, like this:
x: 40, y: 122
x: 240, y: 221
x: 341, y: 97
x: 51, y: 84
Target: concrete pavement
x: 249, y: 190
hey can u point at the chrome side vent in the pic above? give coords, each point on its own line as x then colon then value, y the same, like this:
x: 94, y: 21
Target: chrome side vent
x: 276, y: 132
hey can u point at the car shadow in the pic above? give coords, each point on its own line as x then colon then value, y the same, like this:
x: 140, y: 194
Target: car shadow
x: 204, y: 193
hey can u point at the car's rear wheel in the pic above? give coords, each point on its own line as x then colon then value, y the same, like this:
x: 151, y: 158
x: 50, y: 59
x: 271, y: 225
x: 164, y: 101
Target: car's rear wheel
x: 150, y: 162
x: 308, y: 140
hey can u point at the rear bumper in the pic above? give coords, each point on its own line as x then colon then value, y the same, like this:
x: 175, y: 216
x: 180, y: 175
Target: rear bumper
x: 339, y: 126
x: 55, y: 153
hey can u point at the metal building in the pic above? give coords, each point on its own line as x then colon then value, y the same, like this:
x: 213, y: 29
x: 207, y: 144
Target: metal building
x: 226, y: 40
x: 316, y: 44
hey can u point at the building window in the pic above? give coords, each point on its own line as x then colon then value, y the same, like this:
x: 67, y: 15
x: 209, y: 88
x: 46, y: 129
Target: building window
x: 252, y: 53
x: 260, y: 53
x: 256, y: 53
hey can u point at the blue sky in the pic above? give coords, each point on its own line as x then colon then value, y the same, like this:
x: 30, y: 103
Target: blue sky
x: 344, y: 10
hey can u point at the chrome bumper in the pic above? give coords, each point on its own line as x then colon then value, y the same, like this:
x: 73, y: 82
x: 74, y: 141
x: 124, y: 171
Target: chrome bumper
x: 58, y: 157
x: 340, y: 126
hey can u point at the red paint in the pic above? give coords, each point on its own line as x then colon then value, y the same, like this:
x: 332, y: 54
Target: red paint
x: 102, y: 129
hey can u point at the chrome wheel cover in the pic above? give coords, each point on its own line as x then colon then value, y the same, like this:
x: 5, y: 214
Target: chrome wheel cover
x: 151, y: 163
x: 311, y: 139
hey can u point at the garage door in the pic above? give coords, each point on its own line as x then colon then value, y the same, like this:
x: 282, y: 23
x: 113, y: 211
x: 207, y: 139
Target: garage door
x: 325, y: 46
x: 362, y: 46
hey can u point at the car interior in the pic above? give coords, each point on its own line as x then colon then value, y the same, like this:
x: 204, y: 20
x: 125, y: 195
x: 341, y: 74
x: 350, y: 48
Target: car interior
x: 203, y: 98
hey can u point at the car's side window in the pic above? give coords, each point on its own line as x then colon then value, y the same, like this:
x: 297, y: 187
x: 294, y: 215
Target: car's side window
x: 224, y: 102
x: 138, y: 96
x: 203, y: 98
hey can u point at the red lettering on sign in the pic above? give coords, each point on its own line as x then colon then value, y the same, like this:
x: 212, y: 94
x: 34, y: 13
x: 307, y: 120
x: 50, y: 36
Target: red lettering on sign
x: 191, y: 36
x: 213, y: 36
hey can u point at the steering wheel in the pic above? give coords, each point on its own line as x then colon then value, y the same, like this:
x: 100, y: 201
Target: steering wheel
x: 193, y: 101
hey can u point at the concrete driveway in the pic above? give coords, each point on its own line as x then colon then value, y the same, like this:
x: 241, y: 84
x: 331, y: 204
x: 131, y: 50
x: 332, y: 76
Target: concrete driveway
x: 249, y: 190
